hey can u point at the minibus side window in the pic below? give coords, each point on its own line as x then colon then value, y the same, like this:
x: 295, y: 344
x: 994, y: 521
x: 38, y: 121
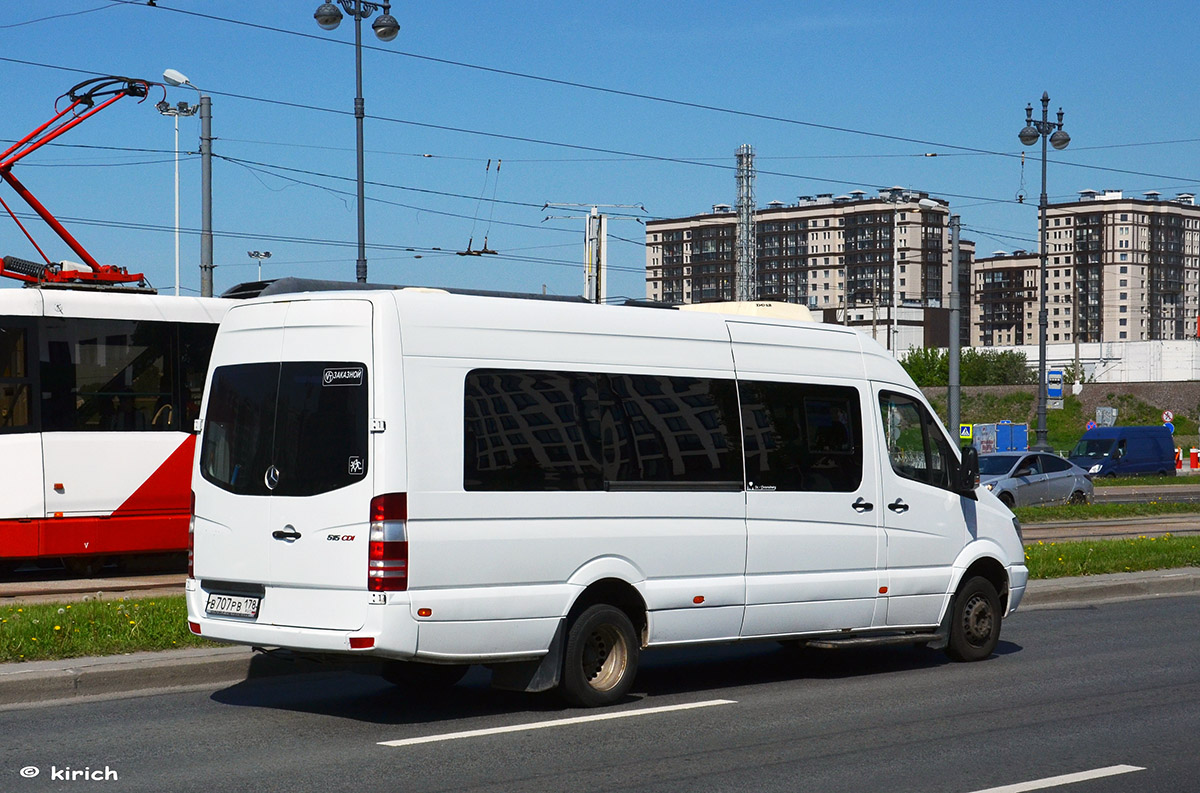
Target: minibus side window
x: 915, y: 445
x: 670, y: 430
x: 541, y: 430
x: 801, y: 437
x: 531, y: 431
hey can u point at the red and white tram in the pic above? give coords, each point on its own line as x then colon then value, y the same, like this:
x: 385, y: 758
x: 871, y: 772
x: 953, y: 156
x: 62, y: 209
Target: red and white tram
x: 98, y: 393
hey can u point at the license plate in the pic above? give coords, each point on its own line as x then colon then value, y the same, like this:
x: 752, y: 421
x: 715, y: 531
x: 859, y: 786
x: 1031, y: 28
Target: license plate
x: 232, y: 606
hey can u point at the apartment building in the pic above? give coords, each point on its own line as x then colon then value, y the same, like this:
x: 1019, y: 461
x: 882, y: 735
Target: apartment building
x: 855, y: 254
x: 1118, y: 269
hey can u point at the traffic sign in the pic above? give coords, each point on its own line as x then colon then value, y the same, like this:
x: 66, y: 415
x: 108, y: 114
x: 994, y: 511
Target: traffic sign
x: 1170, y: 427
x: 1091, y: 425
x: 964, y: 432
x: 1168, y: 416
x: 1054, y: 384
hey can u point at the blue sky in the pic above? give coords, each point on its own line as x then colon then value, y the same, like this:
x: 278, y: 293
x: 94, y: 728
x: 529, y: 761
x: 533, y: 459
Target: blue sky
x: 941, y: 74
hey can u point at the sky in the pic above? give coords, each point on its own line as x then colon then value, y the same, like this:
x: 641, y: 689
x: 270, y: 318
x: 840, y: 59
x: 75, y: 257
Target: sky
x: 566, y: 101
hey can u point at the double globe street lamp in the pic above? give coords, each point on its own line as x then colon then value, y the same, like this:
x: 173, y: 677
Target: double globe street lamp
x: 1053, y: 132
x: 386, y: 28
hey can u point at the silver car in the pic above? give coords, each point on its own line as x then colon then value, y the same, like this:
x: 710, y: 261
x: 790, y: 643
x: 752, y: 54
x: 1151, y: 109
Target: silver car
x: 1023, y: 479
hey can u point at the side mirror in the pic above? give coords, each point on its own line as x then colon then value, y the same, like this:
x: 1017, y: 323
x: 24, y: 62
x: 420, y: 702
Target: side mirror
x: 1023, y: 472
x: 968, y: 471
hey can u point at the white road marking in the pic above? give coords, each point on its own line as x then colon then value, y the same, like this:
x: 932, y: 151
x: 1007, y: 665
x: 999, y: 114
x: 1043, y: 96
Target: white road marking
x: 541, y: 725
x: 1065, y: 779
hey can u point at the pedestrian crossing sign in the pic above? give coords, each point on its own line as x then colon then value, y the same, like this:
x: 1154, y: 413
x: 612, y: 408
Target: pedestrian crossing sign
x: 964, y: 432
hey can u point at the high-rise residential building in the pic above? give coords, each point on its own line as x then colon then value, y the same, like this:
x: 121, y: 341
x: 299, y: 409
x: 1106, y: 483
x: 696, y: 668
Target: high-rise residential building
x: 1118, y: 269
x: 854, y: 254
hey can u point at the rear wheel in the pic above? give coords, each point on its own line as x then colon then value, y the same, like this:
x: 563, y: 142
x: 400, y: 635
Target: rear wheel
x: 975, y: 622
x: 601, y: 657
x: 417, y: 677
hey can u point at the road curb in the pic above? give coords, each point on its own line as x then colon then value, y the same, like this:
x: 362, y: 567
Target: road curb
x: 52, y: 681
x: 48, y: 681
x: 1111, y: 587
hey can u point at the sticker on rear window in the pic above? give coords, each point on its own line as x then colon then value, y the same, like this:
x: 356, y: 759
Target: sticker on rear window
x: 355, y: 466
x: 352, y: 375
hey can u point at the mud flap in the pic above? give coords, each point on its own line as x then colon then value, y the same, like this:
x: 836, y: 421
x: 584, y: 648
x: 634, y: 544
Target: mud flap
x: 941, y: 638
x: 533, y: 676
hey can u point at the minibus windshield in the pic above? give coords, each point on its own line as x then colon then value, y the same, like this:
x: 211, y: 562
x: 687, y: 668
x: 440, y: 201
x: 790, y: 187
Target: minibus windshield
x: 1094, y: 449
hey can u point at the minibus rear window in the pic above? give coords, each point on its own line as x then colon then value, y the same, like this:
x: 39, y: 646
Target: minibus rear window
x: 239, y: 427
x: 307, y: 420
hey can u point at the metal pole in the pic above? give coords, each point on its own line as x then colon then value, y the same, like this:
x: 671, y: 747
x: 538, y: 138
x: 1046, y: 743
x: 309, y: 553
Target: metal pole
x: 1042, y: 444
x: 176, y: 205
x: 206, y: 239
x: 894, y: 307
x: 360, y: 268
x: 955, y: 343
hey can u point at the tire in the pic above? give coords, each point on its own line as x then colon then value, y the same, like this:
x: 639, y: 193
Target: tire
x: 600, y: 659
x: 419, y: 678
x: 975, y: 621
x: 1006, y: 499
x: 1077, y: 498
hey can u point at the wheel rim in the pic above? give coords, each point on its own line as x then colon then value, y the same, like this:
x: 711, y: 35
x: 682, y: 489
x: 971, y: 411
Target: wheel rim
x: 605, y: 657
x: 978, y: 620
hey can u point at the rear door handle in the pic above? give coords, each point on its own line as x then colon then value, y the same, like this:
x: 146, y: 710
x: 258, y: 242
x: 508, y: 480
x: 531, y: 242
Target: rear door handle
x: 862, y: 505
x: 287, y: 533
x: 898, y: 506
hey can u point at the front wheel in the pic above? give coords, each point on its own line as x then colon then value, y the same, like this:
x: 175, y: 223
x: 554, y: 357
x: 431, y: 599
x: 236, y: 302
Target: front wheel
x: 1007, y: 500
x: 600, y: 659
x: 1077, y: 497
x: 975, y: 621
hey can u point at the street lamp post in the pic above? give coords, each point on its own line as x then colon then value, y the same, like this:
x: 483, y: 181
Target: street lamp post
x: 386, y: 28
x: 259, y: 256
x: 175, y: 78
x: 180, y: 109
x: 1053, y: 132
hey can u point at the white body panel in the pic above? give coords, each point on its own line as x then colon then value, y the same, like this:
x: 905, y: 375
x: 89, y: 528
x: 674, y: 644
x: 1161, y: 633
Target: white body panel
x: 491, y: 574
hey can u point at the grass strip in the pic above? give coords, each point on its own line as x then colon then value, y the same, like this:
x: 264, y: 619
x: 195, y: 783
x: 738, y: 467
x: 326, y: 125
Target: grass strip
x: 46, y: 631
x: 1095, y: 557
x: 1069, y: 512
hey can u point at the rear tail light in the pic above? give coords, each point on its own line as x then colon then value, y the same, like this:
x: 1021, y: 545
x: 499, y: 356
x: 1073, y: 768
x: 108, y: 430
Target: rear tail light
x: 192, y: 538
x: 387, y: 565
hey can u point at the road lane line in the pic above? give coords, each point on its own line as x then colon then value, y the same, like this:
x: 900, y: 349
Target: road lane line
x: 1065, y: 779
x: 540, y: 725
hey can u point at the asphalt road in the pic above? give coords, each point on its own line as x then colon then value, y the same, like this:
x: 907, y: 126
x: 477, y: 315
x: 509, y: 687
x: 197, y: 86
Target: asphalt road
x: 1101, y: 689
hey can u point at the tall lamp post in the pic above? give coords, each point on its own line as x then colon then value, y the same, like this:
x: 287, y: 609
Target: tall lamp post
x: 180, y: 109
x: 386, y: 28
x: 1053, y: 132
x: 175, y: 78
x: 259, y: 256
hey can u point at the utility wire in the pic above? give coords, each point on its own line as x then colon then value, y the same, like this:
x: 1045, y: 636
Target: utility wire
x: 616, y: 91
x: 618, y: 152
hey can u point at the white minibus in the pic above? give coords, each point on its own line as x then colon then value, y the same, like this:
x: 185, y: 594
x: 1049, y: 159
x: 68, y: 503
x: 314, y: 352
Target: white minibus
x: 548, y: 487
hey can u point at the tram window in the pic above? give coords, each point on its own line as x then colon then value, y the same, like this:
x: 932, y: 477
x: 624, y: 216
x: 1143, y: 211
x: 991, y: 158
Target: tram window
x: 15, y: 413
x: 104, y: 374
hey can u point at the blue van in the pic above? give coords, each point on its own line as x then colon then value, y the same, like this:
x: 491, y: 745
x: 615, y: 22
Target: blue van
x: 1125, y: 451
